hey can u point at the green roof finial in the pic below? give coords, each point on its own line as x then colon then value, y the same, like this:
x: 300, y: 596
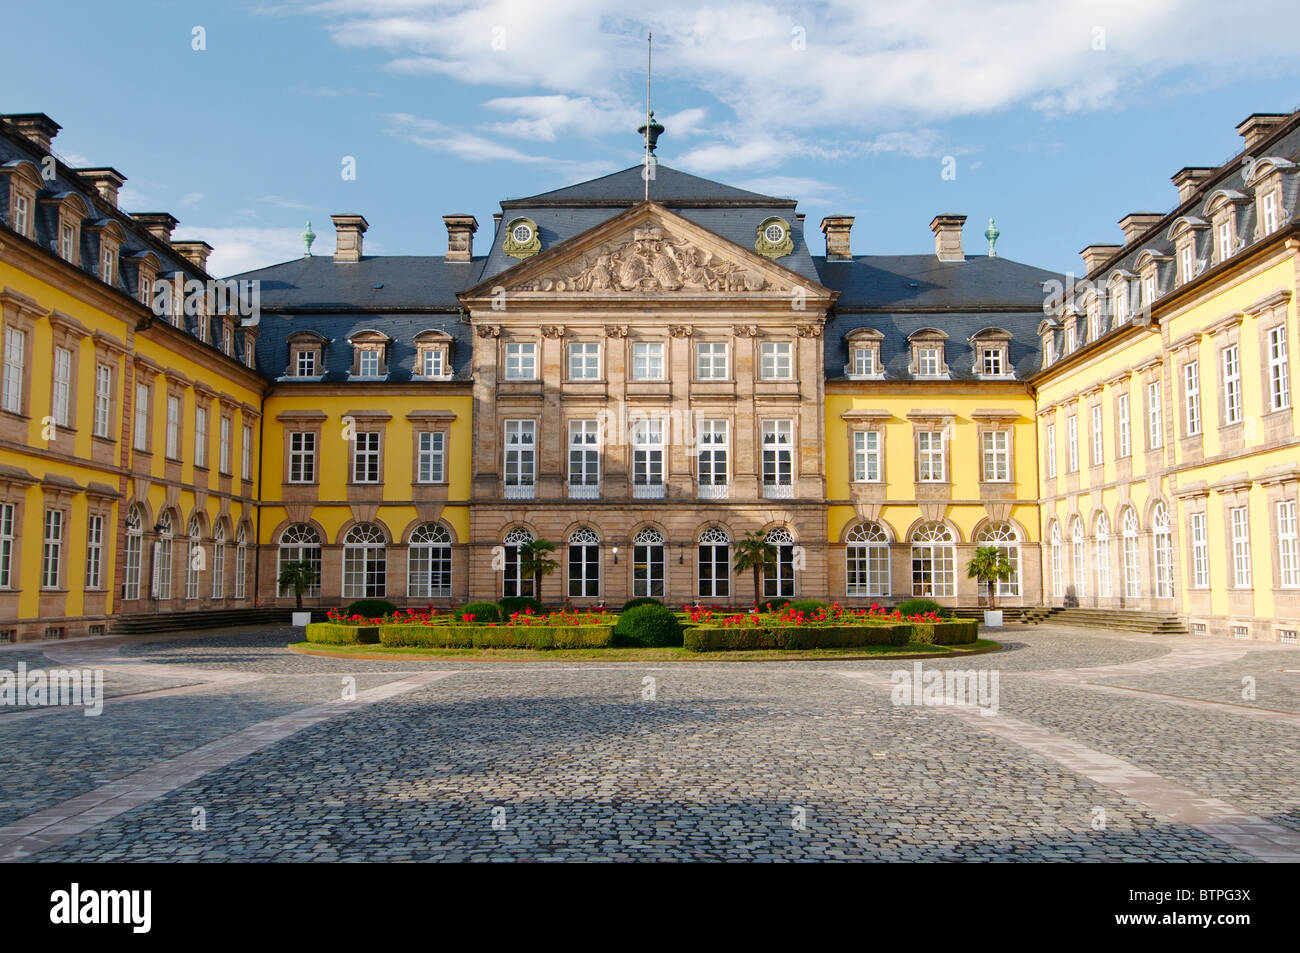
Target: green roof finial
x: 308, y: 237
x: 992, y: 234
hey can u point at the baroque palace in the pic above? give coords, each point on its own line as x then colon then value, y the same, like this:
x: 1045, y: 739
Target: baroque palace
x: 644, y: 380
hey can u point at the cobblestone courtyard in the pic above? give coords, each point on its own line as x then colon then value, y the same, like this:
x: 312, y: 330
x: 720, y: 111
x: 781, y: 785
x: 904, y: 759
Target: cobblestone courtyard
x: 226, y: 746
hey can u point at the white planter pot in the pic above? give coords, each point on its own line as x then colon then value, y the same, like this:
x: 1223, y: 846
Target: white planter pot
x: 300, y: 619
x: 993, y: 618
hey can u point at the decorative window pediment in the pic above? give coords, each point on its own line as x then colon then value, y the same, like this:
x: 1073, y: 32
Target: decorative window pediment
x: 774, y: 239
x: 433, y: 354
x: 991, y: 348
x: 522, y: 238
x: 864, y: 355
x: 928, y: 353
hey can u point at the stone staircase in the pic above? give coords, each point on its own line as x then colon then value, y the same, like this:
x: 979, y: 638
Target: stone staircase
x: 1124, y: 620
x: 145, y: 623
x: 1026, y: 615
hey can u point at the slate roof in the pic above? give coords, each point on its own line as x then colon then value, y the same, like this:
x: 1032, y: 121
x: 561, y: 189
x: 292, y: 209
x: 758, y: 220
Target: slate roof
x: 336, y: 328
x: 318, y: 283
x: 669, y: 187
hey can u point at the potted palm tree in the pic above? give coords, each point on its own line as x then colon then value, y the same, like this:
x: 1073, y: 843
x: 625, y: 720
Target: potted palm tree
x: 297, y: 577
x: 535, y: 562
x: 990, y: 566
x: 755, y: 553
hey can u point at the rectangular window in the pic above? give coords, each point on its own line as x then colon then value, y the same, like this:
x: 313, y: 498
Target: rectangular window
x: 778, y: 460
x: 1149, y: 289
x: 103, y: 399
x: 1187, y: 262
x: 365, y: 457
x: 431, y: 465
x: 110, y: 267
x: 369, y: 363
x: 142, y: 417
x: 1071, y: 338
x: 306, y: 366
x: 1098, y: 440
x: 95, y: 552
x: 62, y: 397
x: 1072, y: 441
x: 1200, y: 553
x: 1288, y: 546
x: 223, y: 446
x: 1192, y: 398
x: 246, y: 455
x: 68, y: 242
x: 201, y: 437
x: 992, y: 362
x: 521, y: 447
x: 584, y: 362
x: 927, y: 362
x: 1241, y: 572
x: 172, y: 447
x: 52, y: 554
x: 6, y: 545
x: 584, y: 457
x: 1225, y: 240
x: 647, y: 453
x: 931, y: 466
x: 866, y: 456
x: 15, y: 363
x: 1155, y: 417
x: 21, y: 215
x: 432, y: 362
x: 648, y: 361
x: 1279, y: 372
x: 711, y: 361
x: 776, y: 361
x: 1270, y: 213
x: 1125, y: 427
x: 302, y: 458
x: 997, y: 456
x: 864, y: 361
x: 521, y: 362
x: 1231, y: 386
x: 713, y: 445
x: 1051, y: 451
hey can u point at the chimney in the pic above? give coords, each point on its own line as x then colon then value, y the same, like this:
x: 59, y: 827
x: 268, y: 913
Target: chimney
x: 1135, y: 223
x: 158, y: 224
x: 460, y: 236
x: 348, y: 230
x: 1257, y: 127
x: 1094, y: 255
x: 37, y: 128
x: 947, y: 237
x: 836, y: 228
x: 1189, y: 179
x: 196, y: 253
x: 106, y: 182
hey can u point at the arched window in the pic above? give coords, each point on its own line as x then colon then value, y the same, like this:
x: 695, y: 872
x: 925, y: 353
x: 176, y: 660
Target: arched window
x: 584, y: 564
x: 162, y: 558
x: 513, y: 583
x: 365, y: 562
x: 1006, y: 540
x: 1163, y: 551
x: 1132, y: 576
x: 241, y: 562
x: 1058, y: 571
x: 714, y: 564
x: 301, y: 543
x: 194, y: 556
x: 933, y: 558
x: 648, y: 564
x: 219, y: 561
x: 134, y: 546
x: 779, y: 582
x: 1077, y: 558
x: 1103, y: 556
x: 867, y: 560
x: 428, y: 563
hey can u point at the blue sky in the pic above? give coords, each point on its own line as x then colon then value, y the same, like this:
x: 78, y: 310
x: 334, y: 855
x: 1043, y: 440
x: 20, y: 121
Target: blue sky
x: 1058, y: 118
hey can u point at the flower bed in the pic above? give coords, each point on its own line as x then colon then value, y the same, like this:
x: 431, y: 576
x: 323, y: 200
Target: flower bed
x: 702, y: 638
x: 503, y: 636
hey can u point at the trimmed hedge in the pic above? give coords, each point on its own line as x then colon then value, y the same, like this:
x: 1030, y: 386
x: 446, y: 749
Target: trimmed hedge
x: 497, y: 637
x: 952, y: 632
x: 518, y: 604
x: 481, y: 611
x: 923, y: 606
x: 773, y: 605
x: 370, y: 608
x: 807, y: 606
x: 710, y: 639
x: 331, y: 633
x: 648, y: 626
x: 640, y: 601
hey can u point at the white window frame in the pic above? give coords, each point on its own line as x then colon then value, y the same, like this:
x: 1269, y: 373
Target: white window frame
x: 1192, y: 398
x: 520, y: 456
x: 1098, y: 436
x: 1242, y: 573
x: 142, y: 399
x: 778, y: 452
x: 1230, y: 363
x: 61, y: 398
x: 1288, y: 546
x: 1125, y: 426
x: 223, y: 445
x: 52, y: 549
x: 776, y: 360
x: 1200, y: 552
x: 103, y: 399
x: 8, y: 516
x: 867, y: 561
x: 302, y: 456
x: 1051, y: 451
x: 1155, y: 416
x: 1072, y: 442
x: 246, y: 454
x: 94, y: 552
x: 867, y: 452
x: 647, y: 360
x: 1279, y: 369
x: 431, y: 456
x: 171, y: 445
x: 15, y: 366
x: 712, y: 361
x: 367, y: 456
x: 200, y: 436
x: 996, y: 453
x: 584, y: 361
x: 713, y: 445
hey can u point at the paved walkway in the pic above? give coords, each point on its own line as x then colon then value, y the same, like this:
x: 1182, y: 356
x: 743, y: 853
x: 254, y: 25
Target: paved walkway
x: 1104, y: 746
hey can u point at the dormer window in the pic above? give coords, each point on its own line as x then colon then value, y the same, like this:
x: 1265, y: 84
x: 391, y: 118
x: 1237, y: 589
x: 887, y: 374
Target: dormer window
x: 1265, y: 178
x: 433, y: 354
x: 24, y: 182
x: 1186, y: 263
x: 992, y: 361
x: 864, y: 354
x: 1225, y: 239
x: 1119, y: 300
x: 1047, y: 335
x: 1221, y: 207
x: 306, y: 350
x: 991, y: 347
x: 369, y: 353
x: 1071, y: 335
x: 68, y: 242
x: 227, y: 339
x: 927, y: 353
x: 1184, y: 234
x: 306, y: 365
x: 864, y: 361
x: 1268, y: 218
x: 22, y: 214
x: 109, y: 274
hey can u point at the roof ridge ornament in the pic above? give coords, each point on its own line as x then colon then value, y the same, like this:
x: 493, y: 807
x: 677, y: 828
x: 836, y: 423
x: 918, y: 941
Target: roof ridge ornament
x: 992, y: 234
x: 307, y: 238
x: 650, y: 130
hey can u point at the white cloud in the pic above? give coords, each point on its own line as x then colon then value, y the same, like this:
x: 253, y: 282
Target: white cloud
x: 190, y: 199
x: 237, y: 249
x: 809, y: 192
x: 546, y: 118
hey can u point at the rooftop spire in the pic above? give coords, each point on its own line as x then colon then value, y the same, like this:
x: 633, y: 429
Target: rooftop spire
x: 307, y: 238
x: 650, y: 130
x: 992, y: 233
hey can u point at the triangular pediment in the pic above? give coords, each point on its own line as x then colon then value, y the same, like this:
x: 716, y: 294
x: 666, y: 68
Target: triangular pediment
x: 648, y: 251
